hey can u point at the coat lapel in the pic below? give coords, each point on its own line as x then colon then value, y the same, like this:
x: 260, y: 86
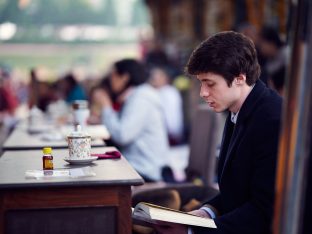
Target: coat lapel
x: 237, y: 134
x: 226, y: 137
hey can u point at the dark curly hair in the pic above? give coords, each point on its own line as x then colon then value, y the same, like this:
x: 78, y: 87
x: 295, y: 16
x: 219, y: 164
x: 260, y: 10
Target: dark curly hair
x: 227, y: 54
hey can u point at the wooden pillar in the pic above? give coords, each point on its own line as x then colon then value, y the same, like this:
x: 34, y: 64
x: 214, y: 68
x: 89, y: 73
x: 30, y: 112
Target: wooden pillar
x: 160, y: 16
x: 255, y: 12
x: 295, y: 143
x: 282, y: 15
x: 199, y: 7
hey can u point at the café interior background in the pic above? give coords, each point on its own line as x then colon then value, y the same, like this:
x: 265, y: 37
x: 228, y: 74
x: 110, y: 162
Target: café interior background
x: 85, y: 37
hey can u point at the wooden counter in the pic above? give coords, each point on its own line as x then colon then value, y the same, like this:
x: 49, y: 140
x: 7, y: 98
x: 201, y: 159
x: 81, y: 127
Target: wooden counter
x: 96, y: 204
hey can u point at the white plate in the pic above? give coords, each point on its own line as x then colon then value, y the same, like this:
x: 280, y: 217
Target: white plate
x: 52, y: 136
x: 81, y: 161
x: 37, y: 129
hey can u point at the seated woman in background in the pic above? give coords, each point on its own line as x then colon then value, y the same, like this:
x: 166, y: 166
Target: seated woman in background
x: 95, y: 107
x: 138, y: 128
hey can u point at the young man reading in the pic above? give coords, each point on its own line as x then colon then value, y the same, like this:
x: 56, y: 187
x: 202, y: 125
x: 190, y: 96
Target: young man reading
x: 226, y: 65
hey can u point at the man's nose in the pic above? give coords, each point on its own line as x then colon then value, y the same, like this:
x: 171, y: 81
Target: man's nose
x: 203, y: 92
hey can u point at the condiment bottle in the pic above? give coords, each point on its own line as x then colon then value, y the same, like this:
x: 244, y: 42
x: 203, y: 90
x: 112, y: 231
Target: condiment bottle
x: 47, y: 158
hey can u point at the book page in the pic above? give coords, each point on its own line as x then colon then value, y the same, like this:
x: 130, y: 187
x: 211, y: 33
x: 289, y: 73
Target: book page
x: 157, y: 213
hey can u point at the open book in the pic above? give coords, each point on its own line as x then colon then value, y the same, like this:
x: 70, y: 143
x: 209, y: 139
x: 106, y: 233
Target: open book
x: 146, y: 214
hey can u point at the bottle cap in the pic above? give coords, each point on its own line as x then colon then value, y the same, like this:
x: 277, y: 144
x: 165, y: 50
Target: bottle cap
x: 47, y: 150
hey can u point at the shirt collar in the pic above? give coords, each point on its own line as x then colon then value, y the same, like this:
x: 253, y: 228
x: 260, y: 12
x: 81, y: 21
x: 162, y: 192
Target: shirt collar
x: 234, y: 117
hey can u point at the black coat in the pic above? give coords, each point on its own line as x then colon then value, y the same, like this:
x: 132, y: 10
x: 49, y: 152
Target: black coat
x: 247, y: 164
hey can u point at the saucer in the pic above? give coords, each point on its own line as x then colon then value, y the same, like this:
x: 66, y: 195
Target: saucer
x: 81, y: 161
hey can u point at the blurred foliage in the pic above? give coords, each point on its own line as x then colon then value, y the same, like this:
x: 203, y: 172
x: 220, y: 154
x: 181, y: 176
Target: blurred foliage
x: 92, y: 59
x: 61, y: 12
x: 139, y: 16
x: 51, y: 12
x: 39, y: 24
x: 40, y: 21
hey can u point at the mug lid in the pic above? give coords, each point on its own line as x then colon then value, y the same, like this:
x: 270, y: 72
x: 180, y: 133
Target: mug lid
x: 78, y: 132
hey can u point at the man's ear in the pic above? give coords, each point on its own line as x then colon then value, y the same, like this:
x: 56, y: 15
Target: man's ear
x: 240, y: 79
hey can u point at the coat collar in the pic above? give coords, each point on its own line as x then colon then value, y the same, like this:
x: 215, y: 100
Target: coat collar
x: 229, y: 142
x: 251, y: 100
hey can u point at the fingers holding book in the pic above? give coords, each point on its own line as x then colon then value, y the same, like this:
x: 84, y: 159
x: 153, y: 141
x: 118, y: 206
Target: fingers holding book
x: 200, y: 213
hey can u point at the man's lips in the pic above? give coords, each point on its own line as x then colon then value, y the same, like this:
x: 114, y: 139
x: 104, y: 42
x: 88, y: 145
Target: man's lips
x: 210, y: 103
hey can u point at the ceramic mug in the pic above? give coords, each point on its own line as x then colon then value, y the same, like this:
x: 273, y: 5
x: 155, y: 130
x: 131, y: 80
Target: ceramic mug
x: 79, y: 147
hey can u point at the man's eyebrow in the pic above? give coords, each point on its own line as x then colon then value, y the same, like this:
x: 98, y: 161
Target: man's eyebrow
x: 207, y: 80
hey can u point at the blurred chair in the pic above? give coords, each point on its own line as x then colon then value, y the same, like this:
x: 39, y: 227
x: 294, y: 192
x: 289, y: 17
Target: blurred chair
x: 200, y: 173
x: 205, y: 138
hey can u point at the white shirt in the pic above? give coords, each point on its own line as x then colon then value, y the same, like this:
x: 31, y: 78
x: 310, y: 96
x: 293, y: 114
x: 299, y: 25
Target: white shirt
x: 234, y: 117
x: 171, y: 102
x: 140, y: 131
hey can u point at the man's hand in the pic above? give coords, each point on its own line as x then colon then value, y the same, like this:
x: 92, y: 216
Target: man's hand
x: 200, y: 213
x: 173, y: 228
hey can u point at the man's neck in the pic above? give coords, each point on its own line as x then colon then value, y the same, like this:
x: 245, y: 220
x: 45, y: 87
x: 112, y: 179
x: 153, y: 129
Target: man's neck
x: 245, y: 91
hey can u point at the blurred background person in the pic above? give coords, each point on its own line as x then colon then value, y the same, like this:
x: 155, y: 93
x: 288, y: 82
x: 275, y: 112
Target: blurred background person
x: 171, y: 104
x: 252, y: 32
x: 41, y: 93
x: 156, y: 54
x: 70, y: 89
x: 33, y: 89
x: 273, y: 51
x: 95, y: 107
x: 277, y: 80
x: 8, y: 106
x: 138, y: 128
x: 9, y: 101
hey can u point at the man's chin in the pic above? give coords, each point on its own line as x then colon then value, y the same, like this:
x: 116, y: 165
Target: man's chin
x: 217, y: 110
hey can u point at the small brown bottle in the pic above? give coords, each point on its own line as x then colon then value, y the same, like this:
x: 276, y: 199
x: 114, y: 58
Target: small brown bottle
x: 47, y: 158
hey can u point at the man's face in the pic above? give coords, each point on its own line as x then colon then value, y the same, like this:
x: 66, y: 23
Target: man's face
x: 216, y: 92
